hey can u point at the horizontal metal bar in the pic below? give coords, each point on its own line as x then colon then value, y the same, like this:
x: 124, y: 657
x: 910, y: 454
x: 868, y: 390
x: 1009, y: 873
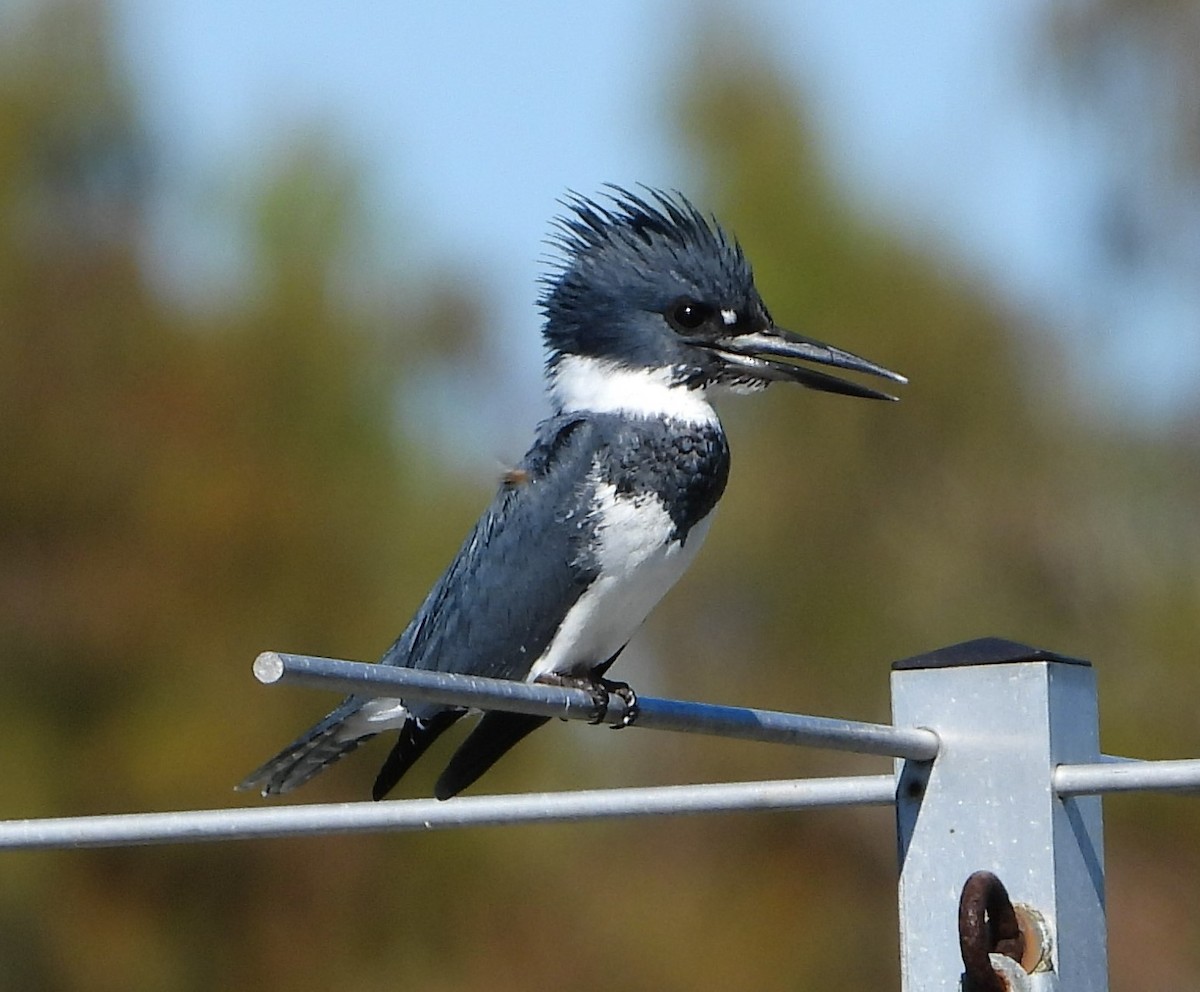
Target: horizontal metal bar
x: 578, y: 704
x: 430, y: 814
x: 1127, y: 775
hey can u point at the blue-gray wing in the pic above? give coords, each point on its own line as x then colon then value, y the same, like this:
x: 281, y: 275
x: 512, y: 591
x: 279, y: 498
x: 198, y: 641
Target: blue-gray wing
x: 492, y: 613
x: 525, y: 563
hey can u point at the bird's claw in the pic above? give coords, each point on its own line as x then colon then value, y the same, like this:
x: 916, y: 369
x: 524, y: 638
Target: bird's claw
x: 601, y: 691
x: 625, y: 692
x: 600, y: 701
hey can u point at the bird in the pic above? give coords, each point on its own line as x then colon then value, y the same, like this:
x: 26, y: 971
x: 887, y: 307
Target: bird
x: 650, y: 312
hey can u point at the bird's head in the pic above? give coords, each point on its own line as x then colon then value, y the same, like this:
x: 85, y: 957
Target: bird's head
x: 648, y: 288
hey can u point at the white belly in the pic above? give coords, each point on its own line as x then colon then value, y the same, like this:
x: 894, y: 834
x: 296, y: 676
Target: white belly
x: 638, y: 564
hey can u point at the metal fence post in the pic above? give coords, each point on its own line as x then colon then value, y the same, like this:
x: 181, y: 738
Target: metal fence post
x: 1006, y: 715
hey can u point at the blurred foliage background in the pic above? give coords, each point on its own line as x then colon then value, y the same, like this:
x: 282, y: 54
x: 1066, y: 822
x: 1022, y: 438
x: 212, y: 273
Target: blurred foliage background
x: 184, y: 487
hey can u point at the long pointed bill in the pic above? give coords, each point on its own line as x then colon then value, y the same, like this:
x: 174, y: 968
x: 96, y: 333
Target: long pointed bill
x: 749, y: 351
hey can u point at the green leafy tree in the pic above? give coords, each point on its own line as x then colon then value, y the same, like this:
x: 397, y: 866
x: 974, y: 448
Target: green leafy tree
x: 181, y: 490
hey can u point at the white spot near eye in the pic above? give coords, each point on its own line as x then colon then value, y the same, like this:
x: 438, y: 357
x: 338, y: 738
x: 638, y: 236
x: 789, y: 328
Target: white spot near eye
x: 729, y: 316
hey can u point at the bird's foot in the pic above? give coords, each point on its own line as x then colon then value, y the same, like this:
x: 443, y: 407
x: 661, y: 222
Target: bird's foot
x: 601, y: 691
x: 625, y: 692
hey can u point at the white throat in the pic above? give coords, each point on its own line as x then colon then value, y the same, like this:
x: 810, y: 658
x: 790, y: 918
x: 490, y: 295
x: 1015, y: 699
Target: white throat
x: 593, y: 384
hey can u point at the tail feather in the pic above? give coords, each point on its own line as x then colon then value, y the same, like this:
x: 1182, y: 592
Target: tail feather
x: 415, y: 737
x: 316, y: 749
x: 492, y: 737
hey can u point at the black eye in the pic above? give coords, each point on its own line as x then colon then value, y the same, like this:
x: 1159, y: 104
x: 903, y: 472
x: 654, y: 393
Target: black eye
x: 687, y: 315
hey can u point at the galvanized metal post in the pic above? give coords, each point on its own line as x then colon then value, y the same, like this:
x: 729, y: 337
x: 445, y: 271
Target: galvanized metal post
x: 1006, y: 715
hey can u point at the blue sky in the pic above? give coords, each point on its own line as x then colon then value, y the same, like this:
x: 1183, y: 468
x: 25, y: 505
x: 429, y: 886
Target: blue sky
x: 471, y: 120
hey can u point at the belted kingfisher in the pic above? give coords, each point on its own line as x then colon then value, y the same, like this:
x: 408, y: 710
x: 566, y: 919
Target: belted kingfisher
x: 650, y: 312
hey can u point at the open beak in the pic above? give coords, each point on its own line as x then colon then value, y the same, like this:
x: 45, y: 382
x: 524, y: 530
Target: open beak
x: 758, y: 354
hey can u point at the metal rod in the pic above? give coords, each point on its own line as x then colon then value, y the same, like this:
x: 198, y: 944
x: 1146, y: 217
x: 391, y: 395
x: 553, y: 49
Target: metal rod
x: 1127, y: 776
x: 429, y: 814
x: 578, y: 704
